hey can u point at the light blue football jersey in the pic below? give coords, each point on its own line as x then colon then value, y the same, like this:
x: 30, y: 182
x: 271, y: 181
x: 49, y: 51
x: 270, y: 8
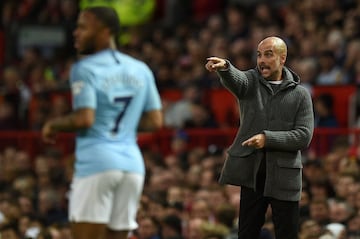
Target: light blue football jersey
x: 119, y: 88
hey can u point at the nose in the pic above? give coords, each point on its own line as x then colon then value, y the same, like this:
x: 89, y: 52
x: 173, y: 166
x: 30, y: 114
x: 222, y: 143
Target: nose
x: 260, y: 59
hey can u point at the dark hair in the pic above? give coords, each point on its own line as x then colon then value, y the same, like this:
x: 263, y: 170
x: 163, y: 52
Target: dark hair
x: 327, y: 99
x: 11, y: 226
x: 173, y: 222
x: 109, y: 17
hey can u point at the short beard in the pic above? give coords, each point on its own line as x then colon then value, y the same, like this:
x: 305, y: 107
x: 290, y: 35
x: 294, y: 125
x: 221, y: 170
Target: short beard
x: 87, y: 50
x: 272, y: 77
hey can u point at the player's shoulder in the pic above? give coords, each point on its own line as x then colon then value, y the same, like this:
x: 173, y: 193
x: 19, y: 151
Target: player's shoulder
x: 82, y: 64
x: 86, y: 65
x: 78, y: 68
x: 131, y: 61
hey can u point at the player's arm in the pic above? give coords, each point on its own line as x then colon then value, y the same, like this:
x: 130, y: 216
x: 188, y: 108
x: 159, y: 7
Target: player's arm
x: 151, y: 120
x: 84, y: 105
x: 79, y: 119
x: 152, y: 116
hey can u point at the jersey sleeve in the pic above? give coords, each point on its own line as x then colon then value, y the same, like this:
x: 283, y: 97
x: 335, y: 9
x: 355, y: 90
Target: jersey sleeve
x: 82, y: 89
x: 153, y: 96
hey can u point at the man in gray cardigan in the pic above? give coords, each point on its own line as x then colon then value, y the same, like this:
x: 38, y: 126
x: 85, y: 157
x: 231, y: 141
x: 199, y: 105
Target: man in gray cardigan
x: 276, y: 123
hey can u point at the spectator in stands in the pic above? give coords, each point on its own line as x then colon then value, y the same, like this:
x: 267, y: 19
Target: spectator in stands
x: 225, y: 214
x: 65, y: 231
x: 351, y: 197
x: 313, y: 172
x: 310, y: 229
x: 17, y: 94
x: 351, y: 64
x: 324, y: 111
x: 336, y: 43
x: 48, y: 207
x: 180, y: 111
x: 307, y: 68
x: 41, y: 79
x: 179, y: 148
x: 26, y: 204
x: 265, y: 132
x: 9, y: 231
x: 108, y: 109
x: 175, y: 194
x: 200, y: 208
x: 330, y: 73
x: 201, y: 117
x: 24, y: 224
x: 343, y: 184
x: 353, y: 227
x: 50, y: 232
x: 29, y: 59
x: 164, y: 77
x: 149, y: 228
x: 321, y: 190
x: 35, y: 226
x: 51, y: 13
x: 60, y: 107
x: 319, y: 211
x: 236, y: 23
x: 194, y: 230
x: 171, y: 227
x: 340, y: 211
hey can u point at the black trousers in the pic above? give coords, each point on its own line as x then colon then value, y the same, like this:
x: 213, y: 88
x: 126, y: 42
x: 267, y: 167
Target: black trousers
x: 253, y: 207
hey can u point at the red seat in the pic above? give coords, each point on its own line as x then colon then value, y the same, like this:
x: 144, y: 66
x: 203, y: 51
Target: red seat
x: 223, y: 104
x: 171, y: 94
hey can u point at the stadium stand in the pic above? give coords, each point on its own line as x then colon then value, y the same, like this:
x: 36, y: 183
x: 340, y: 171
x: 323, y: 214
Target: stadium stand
x: 182, y: 164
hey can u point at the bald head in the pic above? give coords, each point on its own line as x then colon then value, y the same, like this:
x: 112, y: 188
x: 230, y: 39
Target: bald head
x: 271, y: 57
x: 279, y: 46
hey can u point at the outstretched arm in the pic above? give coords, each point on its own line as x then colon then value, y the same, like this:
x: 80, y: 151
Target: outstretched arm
x: 235, y: 80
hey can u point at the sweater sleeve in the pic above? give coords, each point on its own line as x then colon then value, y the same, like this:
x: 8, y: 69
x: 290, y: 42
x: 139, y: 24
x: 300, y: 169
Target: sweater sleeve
x: 234, y: 80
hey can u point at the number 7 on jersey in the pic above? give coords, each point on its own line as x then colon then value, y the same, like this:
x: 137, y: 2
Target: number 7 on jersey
x: 126, y: 101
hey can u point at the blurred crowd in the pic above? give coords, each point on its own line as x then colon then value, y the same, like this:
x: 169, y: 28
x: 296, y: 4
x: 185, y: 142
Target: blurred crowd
x: 182, y: 198
x: 322, y: 36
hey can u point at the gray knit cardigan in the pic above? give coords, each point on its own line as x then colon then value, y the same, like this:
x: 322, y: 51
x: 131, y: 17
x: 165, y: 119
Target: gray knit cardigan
x: 287, y: 120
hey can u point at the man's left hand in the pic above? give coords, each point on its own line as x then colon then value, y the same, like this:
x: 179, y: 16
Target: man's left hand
x: 257, y: 141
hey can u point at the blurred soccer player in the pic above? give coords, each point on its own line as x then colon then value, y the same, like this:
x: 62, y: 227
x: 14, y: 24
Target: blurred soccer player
x: 114, y: 95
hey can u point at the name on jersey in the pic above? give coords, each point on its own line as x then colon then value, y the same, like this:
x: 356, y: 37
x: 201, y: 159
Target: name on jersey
x: 123, y: 80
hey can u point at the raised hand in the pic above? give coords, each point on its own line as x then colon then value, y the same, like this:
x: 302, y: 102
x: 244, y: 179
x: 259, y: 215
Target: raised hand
x: 215, y: 64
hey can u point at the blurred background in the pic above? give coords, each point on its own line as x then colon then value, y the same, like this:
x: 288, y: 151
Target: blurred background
x: 174, y: 37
